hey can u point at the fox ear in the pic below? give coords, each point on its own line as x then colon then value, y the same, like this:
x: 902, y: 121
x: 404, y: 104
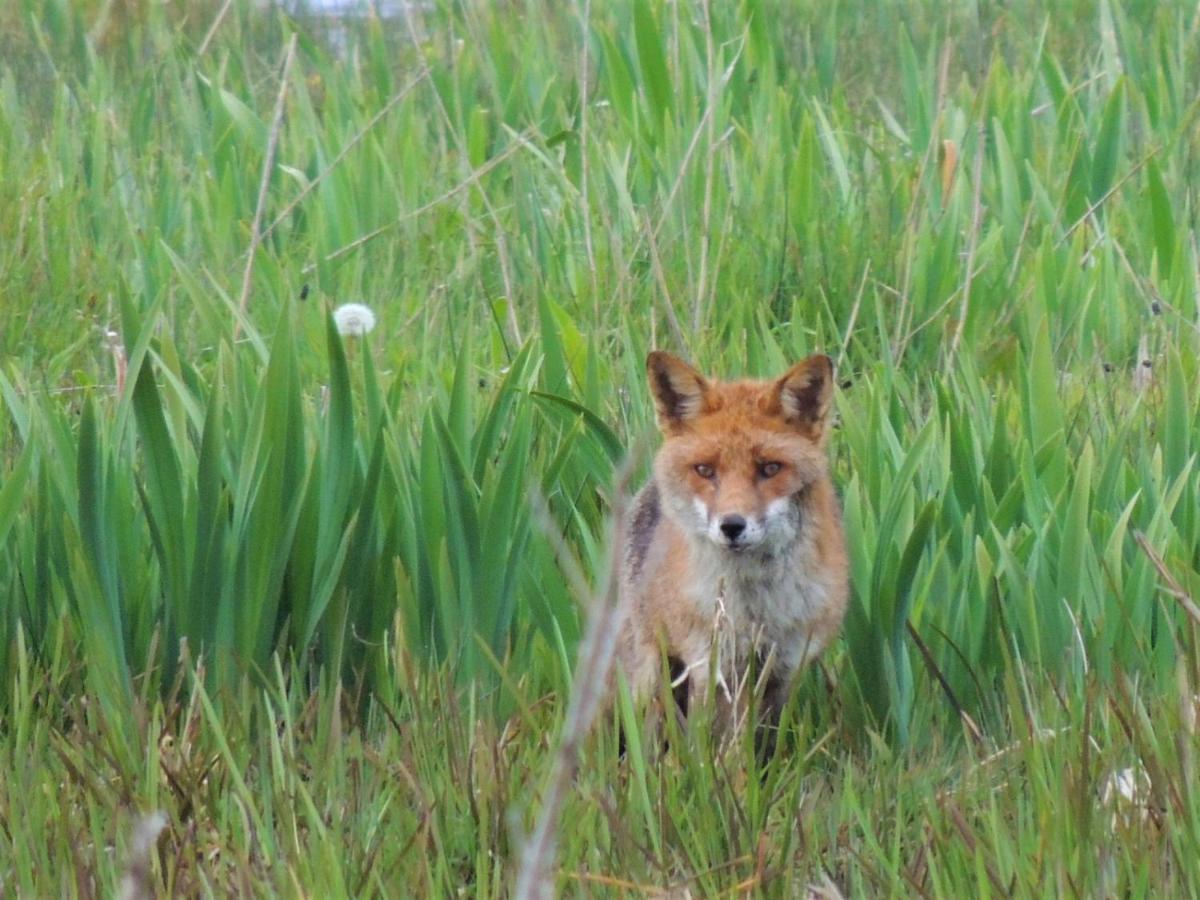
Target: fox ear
x: 678, y: 389
x: 803, y: 394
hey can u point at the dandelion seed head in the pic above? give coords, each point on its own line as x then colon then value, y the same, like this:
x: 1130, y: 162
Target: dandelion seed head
x: 353, y: 319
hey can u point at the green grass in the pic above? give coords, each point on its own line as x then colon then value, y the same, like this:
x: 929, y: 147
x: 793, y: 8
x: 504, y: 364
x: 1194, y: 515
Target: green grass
x: 304, y: 594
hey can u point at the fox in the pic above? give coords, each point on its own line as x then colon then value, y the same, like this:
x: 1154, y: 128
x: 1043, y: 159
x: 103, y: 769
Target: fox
x: 733, y: 553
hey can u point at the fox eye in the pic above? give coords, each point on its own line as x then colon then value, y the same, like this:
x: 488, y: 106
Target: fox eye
x: 704, y: 470
x: 769, y: 469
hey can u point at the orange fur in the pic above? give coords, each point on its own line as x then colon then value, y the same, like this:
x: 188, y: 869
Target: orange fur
x: 738, y: 535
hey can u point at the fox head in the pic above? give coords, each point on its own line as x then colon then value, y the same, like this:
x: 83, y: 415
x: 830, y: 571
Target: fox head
x: 739, y: 458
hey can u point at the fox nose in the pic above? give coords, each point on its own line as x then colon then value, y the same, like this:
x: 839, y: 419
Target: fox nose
x: 732, y: 527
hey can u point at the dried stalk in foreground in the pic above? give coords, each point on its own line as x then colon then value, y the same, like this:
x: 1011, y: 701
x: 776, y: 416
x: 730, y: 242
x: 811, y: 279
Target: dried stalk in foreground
x: 1170, y: 583
x: 535, y: 879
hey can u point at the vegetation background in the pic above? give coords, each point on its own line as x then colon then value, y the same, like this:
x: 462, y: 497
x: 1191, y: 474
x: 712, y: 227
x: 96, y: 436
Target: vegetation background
x: 316, y: 599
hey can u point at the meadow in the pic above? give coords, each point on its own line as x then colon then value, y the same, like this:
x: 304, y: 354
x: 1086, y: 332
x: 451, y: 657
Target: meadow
x: 316, y: 599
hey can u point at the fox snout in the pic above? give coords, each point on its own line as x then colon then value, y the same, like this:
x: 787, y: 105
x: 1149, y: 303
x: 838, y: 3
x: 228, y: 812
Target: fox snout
x: 733, y: 527
x: 734, y: 530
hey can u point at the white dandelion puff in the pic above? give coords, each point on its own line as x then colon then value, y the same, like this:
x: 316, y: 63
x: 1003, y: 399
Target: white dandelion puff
x: 353, y: 319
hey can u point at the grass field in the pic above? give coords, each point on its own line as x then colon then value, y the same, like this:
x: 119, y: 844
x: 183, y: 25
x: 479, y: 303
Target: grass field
x: 317, y: 599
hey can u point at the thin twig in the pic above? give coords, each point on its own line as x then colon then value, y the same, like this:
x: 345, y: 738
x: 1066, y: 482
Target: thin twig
x: 585, y: 200
x: 973, y: 242
x: 661, y: 277
x: 959, y: 821
x: 1071, y: 92
x: 1172, y: 585
x: 684, y: 164
x: 212, y: 29
x: 709, y: 157
x: 1184, y: 127
x: 535, y: 880
x: 308, y: 188
x: 265, y: 183
x: 1117, y: 185
x: 862, y: 286
x: 930, y: 663
x: 471, y: 179
x: 936, y: 315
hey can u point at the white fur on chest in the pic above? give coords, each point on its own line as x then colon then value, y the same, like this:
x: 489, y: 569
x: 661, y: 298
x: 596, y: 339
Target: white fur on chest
x: 762, y: 601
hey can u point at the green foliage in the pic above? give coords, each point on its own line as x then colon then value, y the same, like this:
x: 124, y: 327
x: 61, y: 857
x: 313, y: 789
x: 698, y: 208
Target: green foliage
x: 280, y: 788
x: 213, y: 507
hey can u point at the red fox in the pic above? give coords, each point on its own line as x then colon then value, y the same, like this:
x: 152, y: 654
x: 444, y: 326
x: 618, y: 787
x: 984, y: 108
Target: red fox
x: 737, y: 537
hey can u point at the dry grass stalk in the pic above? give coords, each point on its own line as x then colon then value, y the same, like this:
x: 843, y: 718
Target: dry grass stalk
x: 265, y: 184
x: 535, y: 878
